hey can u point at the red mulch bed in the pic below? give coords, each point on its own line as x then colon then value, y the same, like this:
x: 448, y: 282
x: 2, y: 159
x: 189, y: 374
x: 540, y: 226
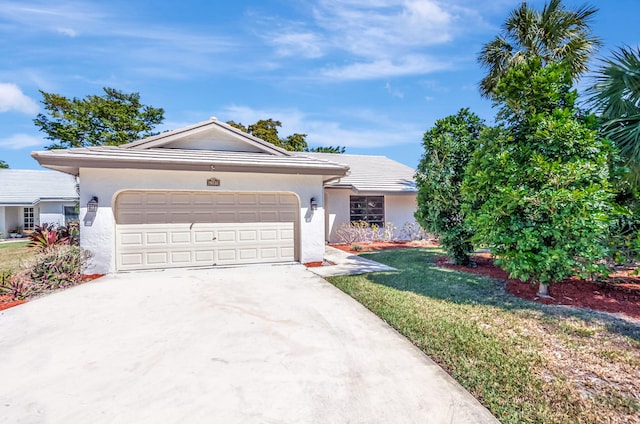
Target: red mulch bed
x: 383, y: 245
x: 621, y: 294
x: 7, y: 301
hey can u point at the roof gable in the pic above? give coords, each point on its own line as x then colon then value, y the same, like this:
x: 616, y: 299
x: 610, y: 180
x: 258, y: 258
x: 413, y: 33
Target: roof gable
x: 210, y: 135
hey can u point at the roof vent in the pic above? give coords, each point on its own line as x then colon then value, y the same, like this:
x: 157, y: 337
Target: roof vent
x: 213, y: 118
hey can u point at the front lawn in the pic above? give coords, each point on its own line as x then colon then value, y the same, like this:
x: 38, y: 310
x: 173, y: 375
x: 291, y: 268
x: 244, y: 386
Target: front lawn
x: 11, y: 254
x: 526, y: 362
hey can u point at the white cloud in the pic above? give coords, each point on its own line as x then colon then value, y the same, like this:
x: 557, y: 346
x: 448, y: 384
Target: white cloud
x: 411, y: 65
x: 12, y: 98
x: 67, y: 31
x: 380, y: 39
x: 21, y: 141
x: 119, y: 37
x: 393, y: 92
x: 305, y: 44
x: 369, y: 129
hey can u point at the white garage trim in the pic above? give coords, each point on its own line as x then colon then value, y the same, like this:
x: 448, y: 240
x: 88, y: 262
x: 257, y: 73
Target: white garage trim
x: 158, y: 229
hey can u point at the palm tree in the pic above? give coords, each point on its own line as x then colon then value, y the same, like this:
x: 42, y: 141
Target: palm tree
x: 554, y: 35
x: 616, y: 97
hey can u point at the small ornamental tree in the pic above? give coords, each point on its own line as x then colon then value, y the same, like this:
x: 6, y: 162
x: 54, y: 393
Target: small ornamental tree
x: 447, y: 149
x: 537, y: 189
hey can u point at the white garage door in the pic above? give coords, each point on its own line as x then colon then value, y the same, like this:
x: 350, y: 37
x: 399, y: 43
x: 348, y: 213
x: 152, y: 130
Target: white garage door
x: 171, y: 229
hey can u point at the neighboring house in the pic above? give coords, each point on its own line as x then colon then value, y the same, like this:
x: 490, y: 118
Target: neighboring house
x: 377, y: 190
x: 34, y: 197
x: 203, y: 195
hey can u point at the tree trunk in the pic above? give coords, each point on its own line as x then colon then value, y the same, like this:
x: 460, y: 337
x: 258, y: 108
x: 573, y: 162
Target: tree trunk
x: 543, y: 290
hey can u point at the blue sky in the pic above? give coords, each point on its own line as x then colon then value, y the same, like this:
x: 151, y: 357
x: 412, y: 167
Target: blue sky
x: 371, y: 75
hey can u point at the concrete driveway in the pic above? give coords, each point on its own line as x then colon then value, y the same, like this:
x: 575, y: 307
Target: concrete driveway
x: 258, y: 344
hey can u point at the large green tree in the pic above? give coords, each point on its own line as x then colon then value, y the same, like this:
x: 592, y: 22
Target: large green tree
x: 537, y: 189
x: 267, y: 130
x: 554, y: 34
x: 448, y: 146
x: 111, y: 119
x: 615, y: 96
x: 3, y: 165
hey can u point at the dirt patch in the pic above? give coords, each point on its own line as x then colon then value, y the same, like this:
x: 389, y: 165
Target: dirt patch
x: 619, y: 294
x: 382, y: 245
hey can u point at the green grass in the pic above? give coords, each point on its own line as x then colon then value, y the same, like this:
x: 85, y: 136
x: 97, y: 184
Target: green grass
x: 524, y: 361
x: 11, y: 254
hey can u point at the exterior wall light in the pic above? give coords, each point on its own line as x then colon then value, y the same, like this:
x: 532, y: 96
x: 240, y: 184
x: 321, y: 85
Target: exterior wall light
x: 92, y: 205
x: 313, y: 203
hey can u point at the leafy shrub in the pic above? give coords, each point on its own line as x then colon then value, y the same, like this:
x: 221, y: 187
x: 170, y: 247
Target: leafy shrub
x: 412, y: 231
x: 57, y: 267
x: 47, y: 235
x: 361, y: 231
x: 537, y: 189
x: 448, y: 147
x: 356, y: 247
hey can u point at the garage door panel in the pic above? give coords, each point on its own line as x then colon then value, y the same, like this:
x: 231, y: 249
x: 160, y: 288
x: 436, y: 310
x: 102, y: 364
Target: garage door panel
x: 157, y: 238
x: 269, y: 235
x: 157, y: 258
x: 247, y: 199
x: 269, y: 253
x: 226, y: 236
x: 247, y: 216
x: 202, y: 236
x: 227, y: 255
x: 180, y: 237
x: 179, y: 229
x: 132, y: 239
x: 247, y: 235
x: 207, y: 256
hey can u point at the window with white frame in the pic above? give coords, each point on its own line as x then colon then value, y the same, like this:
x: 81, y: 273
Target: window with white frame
x: 369, y: 209
x: 29, y: 218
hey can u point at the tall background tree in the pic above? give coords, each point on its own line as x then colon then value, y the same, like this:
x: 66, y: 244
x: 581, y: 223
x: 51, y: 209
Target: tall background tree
x: 448, y: 146
x: 554, y: 34
x: 267, y: 130
x: 111, y: 119
x: 615, y: 96
x: 3, y: 165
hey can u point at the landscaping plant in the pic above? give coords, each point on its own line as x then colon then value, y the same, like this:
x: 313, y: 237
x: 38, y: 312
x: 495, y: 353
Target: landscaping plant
x: 57, y: 267
x: 448, y: 146
x: 47, y: 235
x: 537, y: 189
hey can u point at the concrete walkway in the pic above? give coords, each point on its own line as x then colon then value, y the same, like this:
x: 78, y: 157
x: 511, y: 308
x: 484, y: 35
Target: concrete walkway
x: 257, y: 344
x: 347, y: 264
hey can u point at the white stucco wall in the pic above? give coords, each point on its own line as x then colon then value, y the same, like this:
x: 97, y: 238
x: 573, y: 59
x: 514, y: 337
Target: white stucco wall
x: 3, y: 225
x: 99, y: 236
x: 398, y: 209
x: 13, y: 218
x: 53, y: 212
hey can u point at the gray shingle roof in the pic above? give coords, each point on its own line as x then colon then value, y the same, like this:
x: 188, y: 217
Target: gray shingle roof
x: 27, y: 187
x: 371, y: 173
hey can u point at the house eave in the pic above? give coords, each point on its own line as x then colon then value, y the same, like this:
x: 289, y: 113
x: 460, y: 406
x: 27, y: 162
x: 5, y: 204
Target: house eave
x: 72, y: 165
